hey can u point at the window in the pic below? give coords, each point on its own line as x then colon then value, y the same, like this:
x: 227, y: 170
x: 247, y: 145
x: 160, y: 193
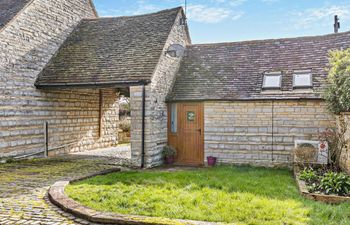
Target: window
x: 302, y: 79
x: 173, y: 118
x: 272, y: 80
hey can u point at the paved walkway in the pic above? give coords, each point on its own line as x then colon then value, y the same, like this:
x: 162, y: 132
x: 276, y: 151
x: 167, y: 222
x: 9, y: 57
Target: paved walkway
x: 23, y: 188
x: 121, y: 151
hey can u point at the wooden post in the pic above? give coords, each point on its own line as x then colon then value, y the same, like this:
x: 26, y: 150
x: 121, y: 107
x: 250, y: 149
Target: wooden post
x: 46, y: 135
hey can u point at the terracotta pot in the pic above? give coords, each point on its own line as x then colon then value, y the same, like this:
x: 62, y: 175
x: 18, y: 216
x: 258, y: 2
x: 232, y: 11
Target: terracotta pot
x: 169, y: 160
x: 211, y: 160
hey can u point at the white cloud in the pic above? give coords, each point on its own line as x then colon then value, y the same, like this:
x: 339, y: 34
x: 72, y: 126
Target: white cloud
x: 269, y: 1
x: 144, y: 9
x: 231, y: 2
x: 321, y: 16
x: 237, y: 15
x: 204, y: 14
x: 236, y: 2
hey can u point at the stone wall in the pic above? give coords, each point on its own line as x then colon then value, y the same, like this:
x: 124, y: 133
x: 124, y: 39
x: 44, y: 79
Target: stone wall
x: 345, y: 157
x: 156, y: 108
x: 241, y: 132
x: 27, y: 44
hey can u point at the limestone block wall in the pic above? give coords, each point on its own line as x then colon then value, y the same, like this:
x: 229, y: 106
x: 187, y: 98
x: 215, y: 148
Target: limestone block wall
x: 249, y: 133
x: 156, y: 108
x: 79, y: 124
x: 136, y: 122
x: 162, y: 82
x: 345, y: 157
x: 27, y: 44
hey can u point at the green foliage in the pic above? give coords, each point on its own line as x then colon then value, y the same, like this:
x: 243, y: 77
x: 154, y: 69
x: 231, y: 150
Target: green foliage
x: 337, y: 93
x: 124, y: 107
x: 235, y: 195
x: 125, y: 125
x: 168, y: 151
x: 308, y: 174
x: 335, y: 183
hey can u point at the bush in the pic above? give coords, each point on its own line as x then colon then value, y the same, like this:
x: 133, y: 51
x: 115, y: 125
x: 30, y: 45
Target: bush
x: 336, y: 142
x: 337, y: 93
x: 124, y: 107
x: 125, y: 125
x: 305, y: 153
x: 335, y: 183
x: 169, y: 151
x: 308, y: 175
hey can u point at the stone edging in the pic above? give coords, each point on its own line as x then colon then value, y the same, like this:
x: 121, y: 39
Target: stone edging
x: 313, y: 196
x: 58, y: 197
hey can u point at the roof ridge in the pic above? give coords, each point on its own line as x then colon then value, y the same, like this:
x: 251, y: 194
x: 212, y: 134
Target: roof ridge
x: 270, y: 39
x: 141, y: 15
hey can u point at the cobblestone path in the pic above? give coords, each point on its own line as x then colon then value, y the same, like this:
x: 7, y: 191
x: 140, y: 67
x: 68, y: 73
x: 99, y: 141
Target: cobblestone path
x: 23, y: 187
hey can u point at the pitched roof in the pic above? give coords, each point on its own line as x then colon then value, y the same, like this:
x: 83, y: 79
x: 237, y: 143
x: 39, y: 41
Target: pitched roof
x: 110, y: 51
x: 9, y: 9
x: 234, y: 71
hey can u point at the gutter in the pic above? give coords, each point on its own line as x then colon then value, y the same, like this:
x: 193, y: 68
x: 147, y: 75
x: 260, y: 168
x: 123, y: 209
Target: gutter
x: 91, y: 84
x: 242, y: 99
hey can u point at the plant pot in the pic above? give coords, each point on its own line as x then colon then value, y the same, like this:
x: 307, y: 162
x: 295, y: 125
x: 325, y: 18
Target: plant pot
x: 211, y: 160
x: 169, y: 160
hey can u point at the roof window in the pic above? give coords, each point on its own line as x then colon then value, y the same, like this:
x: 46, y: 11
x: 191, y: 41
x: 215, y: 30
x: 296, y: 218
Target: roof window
x: 302, y: 79
x: 272, y: 80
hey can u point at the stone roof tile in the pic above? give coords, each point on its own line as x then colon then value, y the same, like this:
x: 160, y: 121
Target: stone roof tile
x: 110, y: 51
x: 234, y: 71
x: 9, y: 9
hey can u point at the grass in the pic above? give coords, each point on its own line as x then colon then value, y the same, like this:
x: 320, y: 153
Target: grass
x: 243, y: 195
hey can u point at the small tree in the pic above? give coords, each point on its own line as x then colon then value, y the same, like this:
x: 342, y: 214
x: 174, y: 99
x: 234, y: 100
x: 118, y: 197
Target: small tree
x: 337, y: 93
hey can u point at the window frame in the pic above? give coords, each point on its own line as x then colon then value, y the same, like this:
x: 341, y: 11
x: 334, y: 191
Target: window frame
x: 272, y: 74
x: 173, y: 115
x: 303, y: 72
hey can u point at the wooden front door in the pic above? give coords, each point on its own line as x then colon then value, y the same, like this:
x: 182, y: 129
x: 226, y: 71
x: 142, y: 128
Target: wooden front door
x: 189, y: 140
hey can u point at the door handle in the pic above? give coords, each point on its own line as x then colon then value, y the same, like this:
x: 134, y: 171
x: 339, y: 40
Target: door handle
x: 200, y: 131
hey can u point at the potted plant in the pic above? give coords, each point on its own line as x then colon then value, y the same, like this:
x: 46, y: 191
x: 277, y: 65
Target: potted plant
x: 169, y: 154
x: 211, y: 160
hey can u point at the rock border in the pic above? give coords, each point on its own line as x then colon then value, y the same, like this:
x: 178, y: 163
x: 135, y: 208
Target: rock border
x: 332, y: 199
x: 58, y: 197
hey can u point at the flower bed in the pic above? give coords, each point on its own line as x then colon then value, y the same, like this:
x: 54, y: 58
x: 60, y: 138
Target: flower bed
x: 323, y: 184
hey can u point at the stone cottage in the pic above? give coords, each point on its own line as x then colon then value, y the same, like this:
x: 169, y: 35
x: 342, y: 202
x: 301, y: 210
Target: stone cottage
x: 243, y: 102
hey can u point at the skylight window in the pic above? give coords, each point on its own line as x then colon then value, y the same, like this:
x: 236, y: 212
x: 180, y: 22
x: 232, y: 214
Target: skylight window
x: 302, y: 79
x: 272, y: 80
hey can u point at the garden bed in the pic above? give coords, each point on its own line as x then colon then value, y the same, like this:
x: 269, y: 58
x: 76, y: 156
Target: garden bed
x: 310, y: 188
x: 242, y: 195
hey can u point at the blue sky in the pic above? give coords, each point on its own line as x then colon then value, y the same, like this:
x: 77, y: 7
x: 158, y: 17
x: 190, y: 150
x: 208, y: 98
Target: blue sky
x: 236, y: 20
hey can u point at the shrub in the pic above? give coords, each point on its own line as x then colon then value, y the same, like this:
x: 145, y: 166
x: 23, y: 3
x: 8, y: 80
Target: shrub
x: 335, y: 183
x: 125, y: 125
x: 337, y: 94
x: 169, y: 151
x: 305, y: 153
x: 336, y: 142
x: 124, y: 107
x: 308, y: 175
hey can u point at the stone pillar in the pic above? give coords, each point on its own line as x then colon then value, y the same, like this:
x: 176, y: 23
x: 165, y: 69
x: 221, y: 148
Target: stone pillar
x: 136, y: 124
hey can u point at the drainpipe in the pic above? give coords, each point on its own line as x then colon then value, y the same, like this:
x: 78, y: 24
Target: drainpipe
x: 143, y: 127
x: 272, y: 125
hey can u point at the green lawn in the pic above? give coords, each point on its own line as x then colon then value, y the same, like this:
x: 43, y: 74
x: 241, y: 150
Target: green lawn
x: 242, y: 195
